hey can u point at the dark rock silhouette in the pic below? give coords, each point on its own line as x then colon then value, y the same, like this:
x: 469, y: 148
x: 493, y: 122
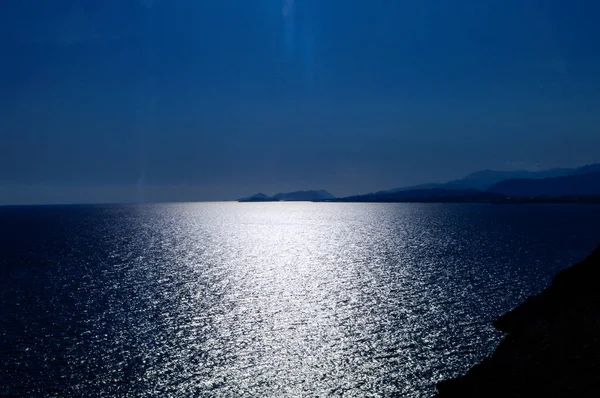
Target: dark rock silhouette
x: 421, y: 187
x: 259, y: 197
x: 485, y: 179
x: 551, y: 347
x: 579, y: 185
x: 590, y: 168
x: 302, y: 196
x: 427, y: 195
x: 572, y: 185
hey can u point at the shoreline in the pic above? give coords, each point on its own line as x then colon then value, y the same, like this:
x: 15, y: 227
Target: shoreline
x: 551, y: 345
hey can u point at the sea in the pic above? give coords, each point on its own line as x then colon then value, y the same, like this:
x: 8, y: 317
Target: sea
x: 267, y: 299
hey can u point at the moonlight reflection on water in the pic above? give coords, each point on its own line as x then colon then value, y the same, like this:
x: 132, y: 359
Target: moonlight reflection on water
x: 268, y: 299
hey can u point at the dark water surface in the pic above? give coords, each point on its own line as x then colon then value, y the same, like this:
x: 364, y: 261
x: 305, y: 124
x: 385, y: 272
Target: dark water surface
x: 273, y: 299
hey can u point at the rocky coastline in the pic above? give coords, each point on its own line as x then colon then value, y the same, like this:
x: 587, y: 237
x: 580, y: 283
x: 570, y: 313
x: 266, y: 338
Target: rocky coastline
x: 551, y: 347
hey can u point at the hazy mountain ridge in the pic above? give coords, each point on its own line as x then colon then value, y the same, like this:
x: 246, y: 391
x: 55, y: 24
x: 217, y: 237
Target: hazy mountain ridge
x: 427, y: 195
x: 259, y: 197
x: 571, y: 185
x: 302, y: 196
x: 580, y: 184
x: 590, y: 168
x: 485, y: 179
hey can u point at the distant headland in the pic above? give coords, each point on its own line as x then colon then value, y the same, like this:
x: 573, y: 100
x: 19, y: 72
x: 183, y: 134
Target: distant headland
x: 298, y: 196
x: 576, y: 185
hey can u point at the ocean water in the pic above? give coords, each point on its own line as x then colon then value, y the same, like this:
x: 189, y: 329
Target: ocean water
x: 267, y: 299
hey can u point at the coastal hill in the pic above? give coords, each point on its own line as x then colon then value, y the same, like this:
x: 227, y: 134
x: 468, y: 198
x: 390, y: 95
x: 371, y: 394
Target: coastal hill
x: 577, y: 185
x: 304, y: 196
x: 572, y: 185
x: 427, y: 195
x: 300, y: 196
x: 551, y: 347
x: 580, y: 185
x: 584, y: 188
x: 259, y: 197
x: 485, y: 179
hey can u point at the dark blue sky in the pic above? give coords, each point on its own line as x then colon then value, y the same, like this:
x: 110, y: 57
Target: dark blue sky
x: 215, y: 99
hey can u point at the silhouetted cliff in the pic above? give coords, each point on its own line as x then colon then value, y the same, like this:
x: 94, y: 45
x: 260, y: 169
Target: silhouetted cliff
x: 551, y: 347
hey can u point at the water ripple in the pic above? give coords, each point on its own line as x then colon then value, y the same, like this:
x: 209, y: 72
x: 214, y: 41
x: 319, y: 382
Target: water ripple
x: 277, y: 299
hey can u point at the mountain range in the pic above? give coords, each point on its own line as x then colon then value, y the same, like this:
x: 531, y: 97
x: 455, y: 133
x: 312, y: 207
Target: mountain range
x: 302, y: 196
x: 485, y: 179
x: 426, y: 195
x: 571, y: 185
